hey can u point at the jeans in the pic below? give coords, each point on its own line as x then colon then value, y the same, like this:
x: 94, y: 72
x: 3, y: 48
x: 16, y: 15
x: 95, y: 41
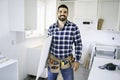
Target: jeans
x: 67, y: 74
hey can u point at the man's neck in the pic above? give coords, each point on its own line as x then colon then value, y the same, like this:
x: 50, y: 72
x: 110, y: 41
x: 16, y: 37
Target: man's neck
x: 61, y: 23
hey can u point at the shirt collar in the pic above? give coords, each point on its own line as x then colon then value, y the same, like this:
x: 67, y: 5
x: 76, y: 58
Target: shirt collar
x: 67, y: 22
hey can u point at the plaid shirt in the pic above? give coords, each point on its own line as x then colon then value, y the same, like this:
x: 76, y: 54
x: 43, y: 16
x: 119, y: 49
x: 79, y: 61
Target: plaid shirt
x: 63, y: 39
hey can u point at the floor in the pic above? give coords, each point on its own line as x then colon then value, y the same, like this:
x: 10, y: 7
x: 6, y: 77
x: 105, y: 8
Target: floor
x: 81, y: 74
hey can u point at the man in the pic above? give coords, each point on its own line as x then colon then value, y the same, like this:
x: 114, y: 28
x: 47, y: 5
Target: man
x: 64, y: 34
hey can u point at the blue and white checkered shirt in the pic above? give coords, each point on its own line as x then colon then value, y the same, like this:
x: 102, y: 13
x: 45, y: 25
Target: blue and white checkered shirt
x: 63, y: 39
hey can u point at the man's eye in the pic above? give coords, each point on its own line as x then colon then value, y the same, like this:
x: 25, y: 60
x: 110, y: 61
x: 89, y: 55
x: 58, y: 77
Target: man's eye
x: 60, y: 11
x: 65, y: 11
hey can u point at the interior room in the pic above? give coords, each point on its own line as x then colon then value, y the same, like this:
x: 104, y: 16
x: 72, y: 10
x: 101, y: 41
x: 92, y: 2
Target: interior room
x: 24, y: 28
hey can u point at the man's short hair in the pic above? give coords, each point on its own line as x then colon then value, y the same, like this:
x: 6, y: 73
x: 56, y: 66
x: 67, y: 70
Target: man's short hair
x: 63, y: 6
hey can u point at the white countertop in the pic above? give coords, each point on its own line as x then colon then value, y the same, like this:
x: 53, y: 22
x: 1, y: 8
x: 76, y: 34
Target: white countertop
x: 6, y: 62
x: 103, y: 74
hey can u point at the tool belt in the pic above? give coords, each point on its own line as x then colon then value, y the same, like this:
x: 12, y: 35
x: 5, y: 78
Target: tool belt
x: 56, y: 64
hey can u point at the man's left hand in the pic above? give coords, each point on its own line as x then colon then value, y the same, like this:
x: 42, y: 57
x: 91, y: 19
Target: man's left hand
x: 76, y: 66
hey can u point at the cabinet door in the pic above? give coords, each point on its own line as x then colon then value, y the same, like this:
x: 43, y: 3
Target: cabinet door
x: 85, y: 9
x: 22, y: 14
x: 30, y: 14
x: 16, y: 15
x: 108, y: 10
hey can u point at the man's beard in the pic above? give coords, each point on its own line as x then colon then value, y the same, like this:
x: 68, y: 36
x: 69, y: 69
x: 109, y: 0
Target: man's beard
x: 62, y: 18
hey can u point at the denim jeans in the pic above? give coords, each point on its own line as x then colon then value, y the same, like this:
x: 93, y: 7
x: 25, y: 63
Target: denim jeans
x: 67, y: 74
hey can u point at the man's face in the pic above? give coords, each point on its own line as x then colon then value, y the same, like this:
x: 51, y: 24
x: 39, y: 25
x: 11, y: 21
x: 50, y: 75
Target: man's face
x: 62, y: 14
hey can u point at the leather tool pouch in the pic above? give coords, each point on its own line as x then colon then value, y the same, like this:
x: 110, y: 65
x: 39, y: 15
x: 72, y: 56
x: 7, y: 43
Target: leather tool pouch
x: 54, y: 66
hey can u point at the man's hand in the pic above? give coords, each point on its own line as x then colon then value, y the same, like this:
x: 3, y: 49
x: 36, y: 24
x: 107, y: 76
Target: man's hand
x: 76, y: 66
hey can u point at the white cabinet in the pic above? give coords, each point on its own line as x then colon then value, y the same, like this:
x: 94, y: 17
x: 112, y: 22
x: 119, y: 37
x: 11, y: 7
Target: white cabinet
x: 33, y: 57
x: 33, y: 61
x: 22, y: 14
x: 108, y: 10
x: 8, y: 69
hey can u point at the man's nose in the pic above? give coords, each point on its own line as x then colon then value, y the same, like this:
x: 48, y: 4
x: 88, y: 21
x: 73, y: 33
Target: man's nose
x: 62, y: 13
